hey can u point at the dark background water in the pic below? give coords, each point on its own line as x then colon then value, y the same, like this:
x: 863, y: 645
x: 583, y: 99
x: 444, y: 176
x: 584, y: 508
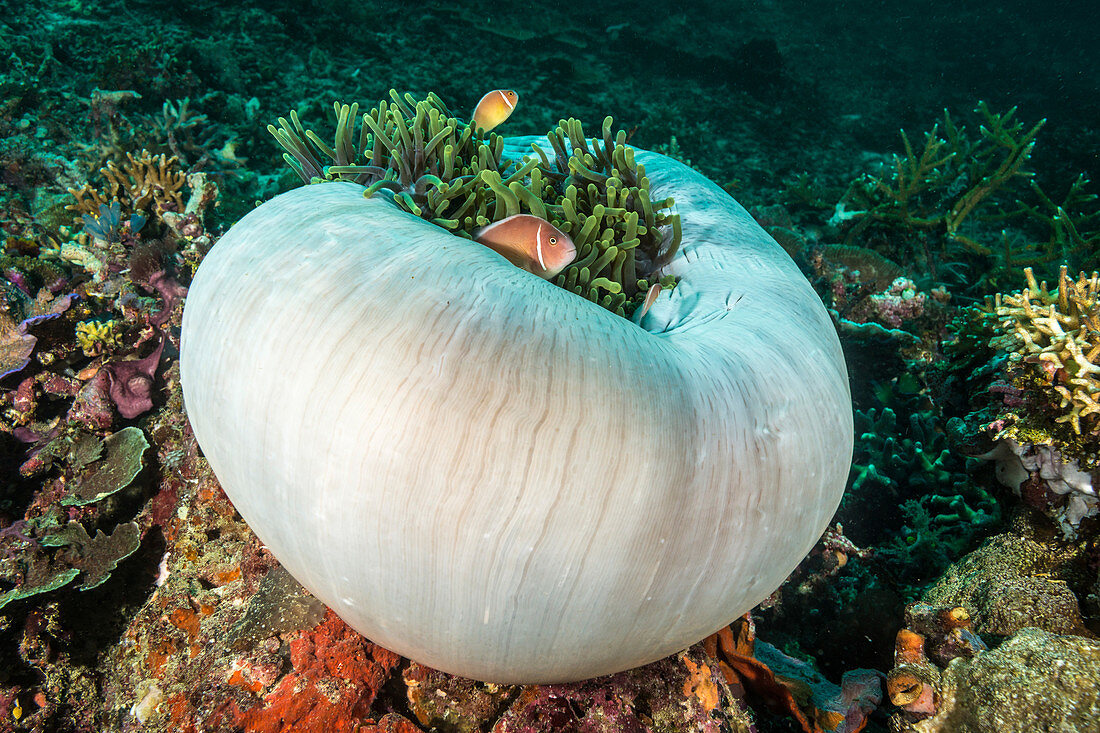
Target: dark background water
x: 751, y: 90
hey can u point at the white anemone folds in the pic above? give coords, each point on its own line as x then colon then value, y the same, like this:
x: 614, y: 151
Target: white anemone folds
x: 497, y: 478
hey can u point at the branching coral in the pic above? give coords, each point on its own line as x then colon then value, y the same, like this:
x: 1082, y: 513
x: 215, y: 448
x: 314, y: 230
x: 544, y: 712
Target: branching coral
x: 148, y: 189
x: 435, y: 167
x: 911, y: 466
x: 942, y: 185
x: 960, y: 201
x: 1057, y: 334
x: 95, y: 337
x: 1072, y: 222
x: 1011, y: 382
x: 179, y: 127
x: 146, y: 183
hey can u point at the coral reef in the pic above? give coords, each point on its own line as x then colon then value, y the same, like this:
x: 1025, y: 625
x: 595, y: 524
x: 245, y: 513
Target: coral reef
x: 286, y: 665
x: 1021, y: 385
x: 95, y: 337
x: 939, y: 191
x: 1046, y: 480
x: 89, y: 85
x: 943, y: 510
x: 142, y: 185
x: 685, y: 692
x: 930, y: 206
x: 942, y: 185
x: 1015, y: 581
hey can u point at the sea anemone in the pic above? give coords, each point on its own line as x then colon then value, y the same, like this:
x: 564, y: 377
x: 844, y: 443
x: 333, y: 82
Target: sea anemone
x: 493, y: 476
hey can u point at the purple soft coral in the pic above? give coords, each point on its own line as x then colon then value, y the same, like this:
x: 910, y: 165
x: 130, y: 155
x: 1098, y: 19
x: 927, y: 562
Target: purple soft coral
x: 151, y: 267
x: 170, y: 291
x: 131, y: 383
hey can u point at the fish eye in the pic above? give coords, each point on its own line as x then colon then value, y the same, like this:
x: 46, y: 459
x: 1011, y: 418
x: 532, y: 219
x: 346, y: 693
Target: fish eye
x: 511, y: 94
x: 553, y: 240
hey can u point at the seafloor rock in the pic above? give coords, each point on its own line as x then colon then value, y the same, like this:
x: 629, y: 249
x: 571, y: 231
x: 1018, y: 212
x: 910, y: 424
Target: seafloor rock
x: 1012, y: 582
x: 1035, y: 681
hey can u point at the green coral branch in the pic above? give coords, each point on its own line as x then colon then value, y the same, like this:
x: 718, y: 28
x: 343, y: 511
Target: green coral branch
x: 955, y: 179
x: 917, y: 192
x: 1000, y: 132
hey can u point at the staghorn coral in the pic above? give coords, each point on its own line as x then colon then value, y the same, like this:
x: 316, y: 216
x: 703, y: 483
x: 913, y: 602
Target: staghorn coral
x: 940, y: 186
x: 146, y: 183
x: 1005, y: 409
x: 180, y: 129
x: 966, y: 209
x: 436, y: 167
x: 1057, y: 335
x: 1071, y: 224
x: 150, y: 190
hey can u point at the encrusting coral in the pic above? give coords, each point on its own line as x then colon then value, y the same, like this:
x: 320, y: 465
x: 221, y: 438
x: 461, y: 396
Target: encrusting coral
x: 436, y: 167
x: 1001, y: 637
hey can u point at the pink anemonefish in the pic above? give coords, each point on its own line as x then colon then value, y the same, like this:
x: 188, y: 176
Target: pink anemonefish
x: 494, y: 108
x: 650, y: 298
x: 529, y: 243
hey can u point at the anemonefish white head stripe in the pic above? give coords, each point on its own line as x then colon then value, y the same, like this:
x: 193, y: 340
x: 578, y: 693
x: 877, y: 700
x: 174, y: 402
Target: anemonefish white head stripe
x: 530, y: 243
x: 538, y: 246
x: 494, y: 108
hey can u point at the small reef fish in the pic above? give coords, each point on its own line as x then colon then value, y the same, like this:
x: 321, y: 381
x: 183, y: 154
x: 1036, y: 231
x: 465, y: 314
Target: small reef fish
x: 650, y: 299
x: 529, y: 243
x: 494, y: 108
